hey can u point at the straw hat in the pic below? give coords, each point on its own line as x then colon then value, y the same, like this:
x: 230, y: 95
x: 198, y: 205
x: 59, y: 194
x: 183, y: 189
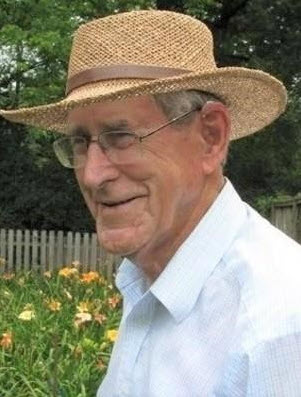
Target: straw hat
x: 147, y: 52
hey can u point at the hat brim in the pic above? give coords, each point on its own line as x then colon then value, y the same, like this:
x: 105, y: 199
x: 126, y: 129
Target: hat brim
x: 254, y: 98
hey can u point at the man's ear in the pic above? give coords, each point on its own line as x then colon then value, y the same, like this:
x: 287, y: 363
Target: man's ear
x: 215, y: 131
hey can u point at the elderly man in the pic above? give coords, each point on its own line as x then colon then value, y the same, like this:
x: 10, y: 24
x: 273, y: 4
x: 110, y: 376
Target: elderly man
x: 211, y: 290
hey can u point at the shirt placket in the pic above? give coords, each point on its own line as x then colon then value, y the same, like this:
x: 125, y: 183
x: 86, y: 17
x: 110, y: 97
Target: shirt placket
x: 135, y: 330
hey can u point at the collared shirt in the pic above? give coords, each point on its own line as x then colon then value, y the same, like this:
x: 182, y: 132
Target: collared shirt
x: 222, y: 320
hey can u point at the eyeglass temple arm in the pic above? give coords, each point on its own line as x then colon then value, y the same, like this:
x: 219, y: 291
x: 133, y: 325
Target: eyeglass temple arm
x: 168, y: 123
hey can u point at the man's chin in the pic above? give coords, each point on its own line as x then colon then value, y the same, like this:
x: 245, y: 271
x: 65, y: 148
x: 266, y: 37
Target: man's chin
x: 120, y: 241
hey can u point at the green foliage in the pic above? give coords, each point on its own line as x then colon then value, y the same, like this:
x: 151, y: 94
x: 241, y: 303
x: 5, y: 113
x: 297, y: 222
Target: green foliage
x: 264, y: 205
x: 54, y: 352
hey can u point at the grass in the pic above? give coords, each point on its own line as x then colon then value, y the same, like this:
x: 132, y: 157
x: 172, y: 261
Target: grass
x: 56, y: 333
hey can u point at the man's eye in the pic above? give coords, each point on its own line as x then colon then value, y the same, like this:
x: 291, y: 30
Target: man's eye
x: 78, y: 143
x: 117, y: 139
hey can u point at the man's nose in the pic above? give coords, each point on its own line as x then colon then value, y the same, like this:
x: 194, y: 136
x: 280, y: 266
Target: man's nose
x: 98, y: 168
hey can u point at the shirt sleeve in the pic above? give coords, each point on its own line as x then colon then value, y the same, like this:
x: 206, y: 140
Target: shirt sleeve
x: 275, y: 368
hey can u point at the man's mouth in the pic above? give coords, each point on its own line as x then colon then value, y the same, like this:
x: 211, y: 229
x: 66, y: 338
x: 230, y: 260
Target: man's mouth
x: 115, y: 203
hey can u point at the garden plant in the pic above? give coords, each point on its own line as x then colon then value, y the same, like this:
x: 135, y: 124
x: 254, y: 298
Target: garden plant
x: 56, y: 332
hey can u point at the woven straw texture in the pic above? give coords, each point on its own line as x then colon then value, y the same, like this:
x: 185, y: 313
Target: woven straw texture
x: 159, y: 38
x: 146, y: 38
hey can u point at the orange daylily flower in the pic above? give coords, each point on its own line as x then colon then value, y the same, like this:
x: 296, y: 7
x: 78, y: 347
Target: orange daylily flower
x: 90, y: 277
x: 100, y: 318
x: 54, y: 306
x: 6, y: 340
x: 68, y: 272
x: 114, y: 301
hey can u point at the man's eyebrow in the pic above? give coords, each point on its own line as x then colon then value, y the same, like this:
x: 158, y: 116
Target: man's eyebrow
x: 78, y: 130
x: 118, y: 125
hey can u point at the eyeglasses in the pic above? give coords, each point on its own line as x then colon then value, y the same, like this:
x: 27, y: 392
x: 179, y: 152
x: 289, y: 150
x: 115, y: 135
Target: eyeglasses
x: 119, y: 146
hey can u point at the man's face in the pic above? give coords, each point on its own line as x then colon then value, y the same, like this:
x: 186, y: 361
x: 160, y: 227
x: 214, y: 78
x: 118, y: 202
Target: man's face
x: 152, y: 199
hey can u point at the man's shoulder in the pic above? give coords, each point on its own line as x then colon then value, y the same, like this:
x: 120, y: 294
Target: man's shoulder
x: 260, y: 248
x: 266, y: 264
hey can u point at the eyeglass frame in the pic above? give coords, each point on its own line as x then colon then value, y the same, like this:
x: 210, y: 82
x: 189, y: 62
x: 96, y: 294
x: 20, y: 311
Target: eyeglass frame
x: 137, y: 137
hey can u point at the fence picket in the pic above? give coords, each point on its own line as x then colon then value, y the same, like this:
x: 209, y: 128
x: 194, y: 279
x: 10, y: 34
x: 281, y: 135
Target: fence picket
x: 93, y: 252
x: 86, y: 251
x: 19, y: 248
x: 69, y: 248
x: 51, y: 250
x: 27, y: 262
x: 77, y: 247
x: 43, y: 255
x: 3, y: 249
x: 34, y: 258
x: 109, y: 267
x: 10, y: 259
x: 59, y: 249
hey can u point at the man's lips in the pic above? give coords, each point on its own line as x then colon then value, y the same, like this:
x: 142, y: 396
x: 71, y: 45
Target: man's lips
x: 116, y: 203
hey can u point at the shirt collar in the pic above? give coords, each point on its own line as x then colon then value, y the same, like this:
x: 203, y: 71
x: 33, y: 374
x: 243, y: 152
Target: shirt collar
x: 182, y: 280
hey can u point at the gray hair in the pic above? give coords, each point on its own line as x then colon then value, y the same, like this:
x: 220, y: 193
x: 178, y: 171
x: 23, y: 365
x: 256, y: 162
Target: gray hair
x: 175, y: 103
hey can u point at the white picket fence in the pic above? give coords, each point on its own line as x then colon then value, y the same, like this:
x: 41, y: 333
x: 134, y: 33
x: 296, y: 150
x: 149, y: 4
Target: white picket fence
x: 48, y: 250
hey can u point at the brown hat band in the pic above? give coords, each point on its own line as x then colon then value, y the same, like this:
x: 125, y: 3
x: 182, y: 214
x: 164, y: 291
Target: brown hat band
x: 126, y: 71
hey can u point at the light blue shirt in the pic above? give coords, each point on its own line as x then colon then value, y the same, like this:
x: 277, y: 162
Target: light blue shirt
x: 222, y: 320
